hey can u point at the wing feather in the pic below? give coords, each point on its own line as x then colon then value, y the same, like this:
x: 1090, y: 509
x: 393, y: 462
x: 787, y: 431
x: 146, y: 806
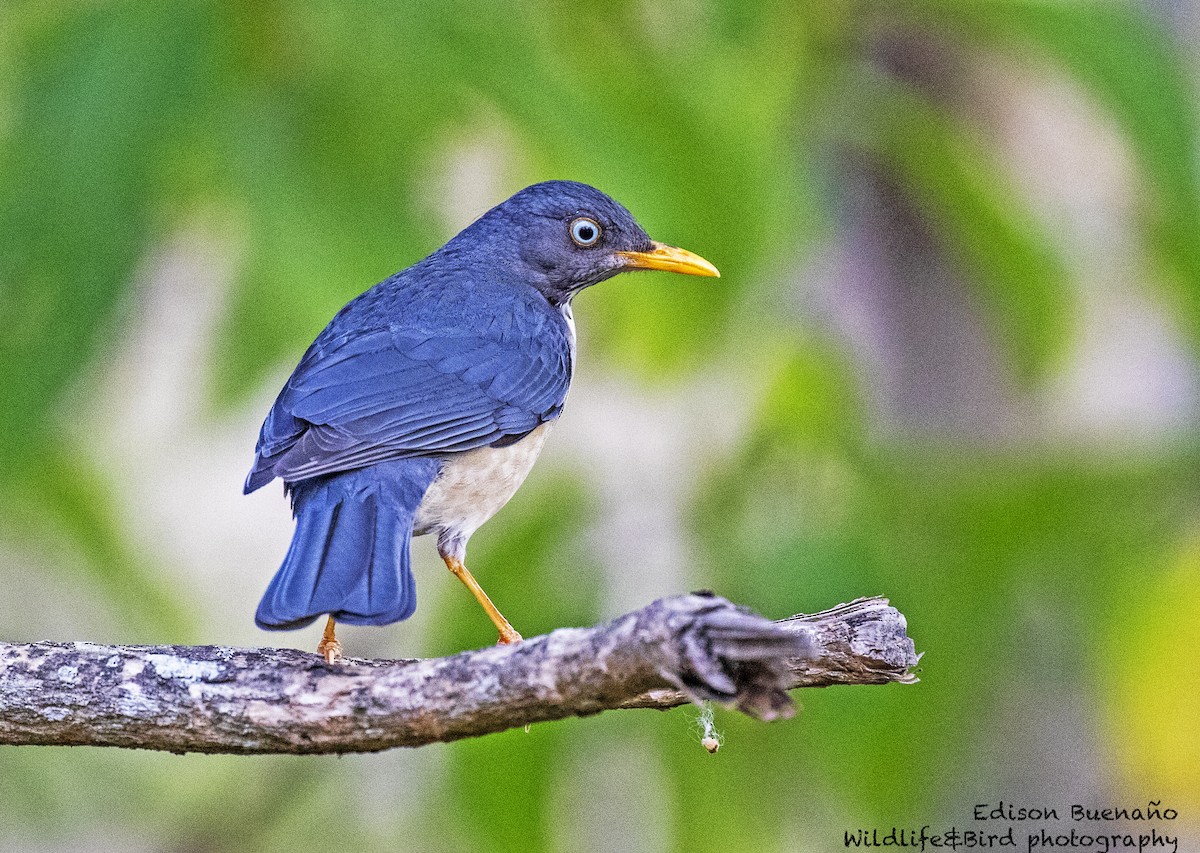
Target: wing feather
x: 368, y: 396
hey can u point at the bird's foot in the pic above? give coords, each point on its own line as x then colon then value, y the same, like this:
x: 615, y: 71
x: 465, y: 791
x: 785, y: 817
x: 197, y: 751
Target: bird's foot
x: 508, y: 636
x: 330, y: 647
x: 331, y: 650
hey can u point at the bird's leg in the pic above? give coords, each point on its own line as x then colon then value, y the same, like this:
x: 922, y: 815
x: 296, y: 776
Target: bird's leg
x: 508, y: 634
x: 329, y: 645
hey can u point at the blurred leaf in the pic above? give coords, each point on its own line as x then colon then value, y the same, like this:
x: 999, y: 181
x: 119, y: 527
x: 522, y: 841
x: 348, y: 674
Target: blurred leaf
x: 812, y: 401
x: 101, y: 89
x: 1153, y: 700
x: 980, y: 223
x: 502, y: 786
x: 56, y: 493
x: 323, y: 172
x: 1126, y: 57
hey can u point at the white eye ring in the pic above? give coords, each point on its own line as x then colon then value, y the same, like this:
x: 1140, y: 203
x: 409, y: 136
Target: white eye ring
x: 585, y: 232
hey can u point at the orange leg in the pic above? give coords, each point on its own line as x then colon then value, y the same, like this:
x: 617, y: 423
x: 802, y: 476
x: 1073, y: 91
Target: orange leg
x: 329, y: 645
x: 508, y: 634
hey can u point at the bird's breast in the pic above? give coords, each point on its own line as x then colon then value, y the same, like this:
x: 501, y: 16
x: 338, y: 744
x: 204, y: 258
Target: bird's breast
x: 472, y: 487
x: 569, y: 316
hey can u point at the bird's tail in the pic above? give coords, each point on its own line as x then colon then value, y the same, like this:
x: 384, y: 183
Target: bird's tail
x: 349, y: 556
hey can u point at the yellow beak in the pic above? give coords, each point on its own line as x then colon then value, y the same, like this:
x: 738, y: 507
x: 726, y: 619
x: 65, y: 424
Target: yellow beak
x: 671, y: 259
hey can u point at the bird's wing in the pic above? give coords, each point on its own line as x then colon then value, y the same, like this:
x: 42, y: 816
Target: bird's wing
x: 383, y: 394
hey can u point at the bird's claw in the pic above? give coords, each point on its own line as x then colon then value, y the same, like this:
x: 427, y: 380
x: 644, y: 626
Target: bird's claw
x: 508, y: 637
x: 329, y: 645
x: 331, y: 650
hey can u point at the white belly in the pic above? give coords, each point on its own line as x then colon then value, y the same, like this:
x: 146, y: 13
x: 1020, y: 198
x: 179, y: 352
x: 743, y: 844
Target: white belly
x: 473, y: 486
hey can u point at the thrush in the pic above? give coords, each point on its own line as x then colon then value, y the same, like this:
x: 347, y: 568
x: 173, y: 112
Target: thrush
x: 424, y: 403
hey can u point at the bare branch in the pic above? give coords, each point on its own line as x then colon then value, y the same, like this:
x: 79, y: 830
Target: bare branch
x: 215, y: 699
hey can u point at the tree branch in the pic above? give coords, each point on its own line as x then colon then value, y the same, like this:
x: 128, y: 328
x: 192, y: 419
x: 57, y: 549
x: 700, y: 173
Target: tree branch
x: 215, y: 699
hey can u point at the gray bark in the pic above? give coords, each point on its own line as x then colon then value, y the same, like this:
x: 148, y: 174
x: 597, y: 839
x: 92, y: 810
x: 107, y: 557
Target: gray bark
x: 214, y: 699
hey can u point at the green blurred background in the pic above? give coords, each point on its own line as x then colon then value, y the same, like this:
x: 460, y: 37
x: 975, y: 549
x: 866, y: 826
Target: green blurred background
x: 953, y: 359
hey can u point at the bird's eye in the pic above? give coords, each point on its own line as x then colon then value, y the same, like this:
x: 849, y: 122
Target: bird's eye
x: 585, y: 232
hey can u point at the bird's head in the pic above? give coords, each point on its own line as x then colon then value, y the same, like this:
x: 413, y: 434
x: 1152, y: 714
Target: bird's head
x: 563, y: 236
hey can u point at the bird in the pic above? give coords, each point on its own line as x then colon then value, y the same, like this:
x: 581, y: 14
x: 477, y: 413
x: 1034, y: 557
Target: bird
x: 423, y: 404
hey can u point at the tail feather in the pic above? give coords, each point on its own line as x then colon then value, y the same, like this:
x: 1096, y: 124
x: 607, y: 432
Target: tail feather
x: 349, y: 556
